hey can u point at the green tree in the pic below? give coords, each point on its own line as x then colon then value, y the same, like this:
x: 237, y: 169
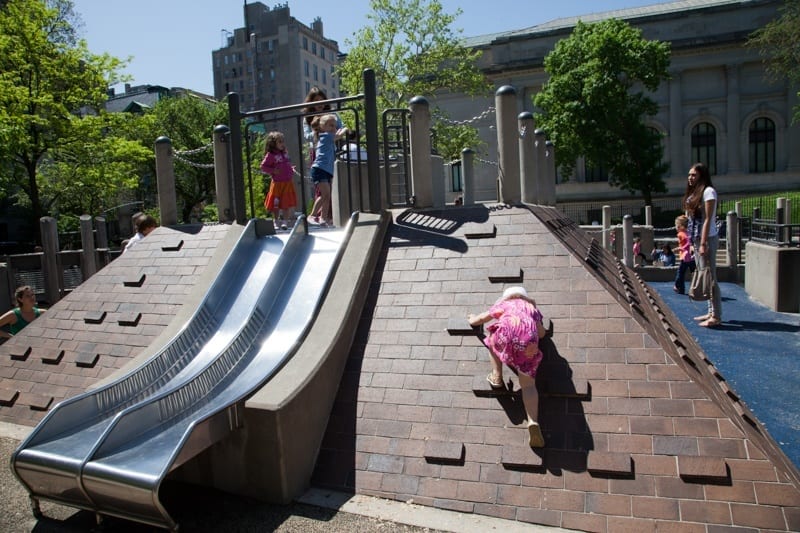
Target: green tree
x: 414, y: 52
x: 48, y: 78
x: 189, y: 123
x: 593, y: 106
x: 779, y: 44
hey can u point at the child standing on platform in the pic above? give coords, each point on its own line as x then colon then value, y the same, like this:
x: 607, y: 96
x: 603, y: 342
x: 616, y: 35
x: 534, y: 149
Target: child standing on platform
x: 684, y: 253
x: 281, y: 198
x: 513, y: 339
x: 322, y: 168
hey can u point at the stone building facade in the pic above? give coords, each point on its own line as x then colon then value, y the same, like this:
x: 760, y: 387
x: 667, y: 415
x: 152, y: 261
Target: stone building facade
x: 274, y: 59
x: 718, y: 106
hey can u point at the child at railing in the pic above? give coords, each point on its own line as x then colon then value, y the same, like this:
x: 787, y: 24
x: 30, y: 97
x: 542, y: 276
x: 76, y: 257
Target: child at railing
x: 686, y: 257
x: 281, y: 198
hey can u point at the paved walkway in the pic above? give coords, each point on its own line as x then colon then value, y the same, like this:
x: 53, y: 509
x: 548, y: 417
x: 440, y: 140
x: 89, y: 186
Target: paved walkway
x: 757, y: 350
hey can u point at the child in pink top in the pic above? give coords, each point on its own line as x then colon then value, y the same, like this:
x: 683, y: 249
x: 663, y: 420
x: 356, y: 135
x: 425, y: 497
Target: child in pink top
x: 686, y: 257
x: 281, y: 198
x: 513, y: 339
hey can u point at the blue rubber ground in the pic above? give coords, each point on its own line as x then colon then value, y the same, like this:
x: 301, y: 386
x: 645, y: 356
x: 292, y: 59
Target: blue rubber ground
x: 757, y: 350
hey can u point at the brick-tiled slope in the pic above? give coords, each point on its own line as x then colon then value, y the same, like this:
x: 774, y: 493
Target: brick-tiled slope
x: 107, y: 321
x: 642, y: 433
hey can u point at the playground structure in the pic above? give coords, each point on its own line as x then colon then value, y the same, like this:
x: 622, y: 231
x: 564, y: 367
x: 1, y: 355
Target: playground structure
x: 102, y: 474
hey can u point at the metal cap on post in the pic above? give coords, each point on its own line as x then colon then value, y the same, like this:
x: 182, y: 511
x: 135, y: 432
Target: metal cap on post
x: 507, y: 145
x: 527, y: 158
x: 165, y: 177
x: 222, y: 175
x: 468, y: 173
x: 420, y: 140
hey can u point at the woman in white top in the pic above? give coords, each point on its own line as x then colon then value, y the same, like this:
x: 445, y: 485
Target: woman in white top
x: 700, y: 202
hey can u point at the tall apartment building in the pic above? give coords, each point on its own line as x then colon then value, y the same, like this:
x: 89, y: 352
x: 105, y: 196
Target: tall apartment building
x: 274, y: 59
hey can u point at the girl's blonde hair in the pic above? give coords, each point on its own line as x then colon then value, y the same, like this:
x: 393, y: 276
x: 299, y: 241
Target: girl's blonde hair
x: 681, y: 221
x: 272, y: 140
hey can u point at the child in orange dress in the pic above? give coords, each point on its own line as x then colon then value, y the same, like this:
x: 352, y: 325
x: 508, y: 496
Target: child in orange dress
x: 281, y: 198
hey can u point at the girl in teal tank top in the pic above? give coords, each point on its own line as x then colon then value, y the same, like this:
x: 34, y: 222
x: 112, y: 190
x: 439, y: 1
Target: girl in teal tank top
x: 22, y: 315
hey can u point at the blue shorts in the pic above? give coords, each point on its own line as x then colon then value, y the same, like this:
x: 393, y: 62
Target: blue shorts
x: 320, y: 176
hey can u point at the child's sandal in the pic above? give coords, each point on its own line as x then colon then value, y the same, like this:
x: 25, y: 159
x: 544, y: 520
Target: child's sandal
x: 495, y: 382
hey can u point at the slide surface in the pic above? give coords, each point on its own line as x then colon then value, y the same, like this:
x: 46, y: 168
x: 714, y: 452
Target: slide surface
x: 108, y: 450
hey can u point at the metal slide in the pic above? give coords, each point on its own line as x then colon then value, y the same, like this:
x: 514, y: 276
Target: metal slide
x: 110, y: 449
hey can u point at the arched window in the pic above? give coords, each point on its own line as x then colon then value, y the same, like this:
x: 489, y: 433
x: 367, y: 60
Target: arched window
x: 762, y: 145
x: 704, y: 146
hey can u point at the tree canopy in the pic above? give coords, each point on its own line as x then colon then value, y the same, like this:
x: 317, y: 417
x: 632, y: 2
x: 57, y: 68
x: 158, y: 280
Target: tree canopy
x: 593, y: 104
x: 50, y: 85
x: 415, y: 52
x: 779, y: 44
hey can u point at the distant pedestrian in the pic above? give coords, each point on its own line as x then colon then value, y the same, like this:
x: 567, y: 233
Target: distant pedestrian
x: 513, y: 339
x: 637, y: 251
x: 23, y: 314
x: 145, y: 224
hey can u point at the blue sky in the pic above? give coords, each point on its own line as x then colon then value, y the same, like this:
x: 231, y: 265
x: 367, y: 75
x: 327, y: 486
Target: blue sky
x: 170, y: 41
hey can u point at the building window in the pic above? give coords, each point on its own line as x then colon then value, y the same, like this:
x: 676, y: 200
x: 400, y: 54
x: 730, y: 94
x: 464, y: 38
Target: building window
x: 324, y: 77
x: 308, y: 86
x: 704, y: 146
x: 314, y: 48
x: 316, y: 73
x: 305, y: 43
x: 271, y: 45
x: 272, y: 74
x: 595, y: 174
x: 322, y: 52
x: 762, y: 145
x: 305, y: 67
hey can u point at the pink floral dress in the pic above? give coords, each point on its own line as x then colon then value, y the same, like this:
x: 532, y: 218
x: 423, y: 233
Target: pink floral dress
x: 512, y: 332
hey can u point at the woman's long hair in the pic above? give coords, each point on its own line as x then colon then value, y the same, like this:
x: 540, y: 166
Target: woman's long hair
x: 693, y: 197
x: 313, y: 95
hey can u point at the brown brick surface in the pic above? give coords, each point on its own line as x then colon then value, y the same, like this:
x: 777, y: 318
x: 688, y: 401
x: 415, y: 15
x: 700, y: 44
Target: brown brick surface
x: 637, y: 439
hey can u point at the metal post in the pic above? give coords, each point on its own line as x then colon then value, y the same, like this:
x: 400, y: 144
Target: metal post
x: 165, y: 177
x: 648, y: 215
x: 88, y: 262
x: 507, y: 146
x: 627, y: 241
x: 540, y: 144
x: 235, y: 154
x: 222, y: 177
x: 547, y: 188
x: 421, y: 178
x: 49, y: 230
x: 376, y: 199
x: 732, y: 251
x: 468, y: 173
x: 527, y: 158
x: 101, y: 232
x: 606, y: 227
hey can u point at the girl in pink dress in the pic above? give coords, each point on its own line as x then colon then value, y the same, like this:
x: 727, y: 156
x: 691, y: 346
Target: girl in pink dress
x: 513, y: 339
